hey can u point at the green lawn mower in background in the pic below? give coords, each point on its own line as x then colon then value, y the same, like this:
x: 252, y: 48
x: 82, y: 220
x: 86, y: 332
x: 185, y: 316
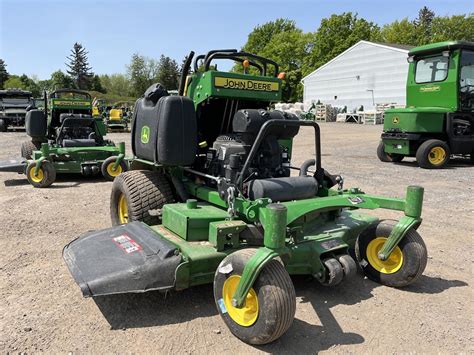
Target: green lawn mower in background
x: 68, y: 140
x: 210, y: 199
x: 438, y: 121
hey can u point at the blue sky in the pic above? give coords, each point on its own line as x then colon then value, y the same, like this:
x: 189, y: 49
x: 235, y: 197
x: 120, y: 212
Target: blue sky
x: 36, y: 36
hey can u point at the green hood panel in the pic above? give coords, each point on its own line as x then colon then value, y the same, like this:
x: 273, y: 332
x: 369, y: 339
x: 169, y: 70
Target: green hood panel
x: 423, y: 120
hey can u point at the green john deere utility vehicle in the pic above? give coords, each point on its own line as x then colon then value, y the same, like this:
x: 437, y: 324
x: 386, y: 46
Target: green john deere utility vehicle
x: 439, y: 118
x: 68, y: 140
x: 13, y: 104
x: 210, y: 199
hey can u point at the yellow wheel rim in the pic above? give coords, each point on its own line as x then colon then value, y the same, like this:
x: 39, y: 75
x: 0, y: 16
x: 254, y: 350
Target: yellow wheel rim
x: 36, y: 178
x: 123, y: 209
x: 389, y: 266
x: 437, y: 155
x: 112, y: 172
x: 248, y: 314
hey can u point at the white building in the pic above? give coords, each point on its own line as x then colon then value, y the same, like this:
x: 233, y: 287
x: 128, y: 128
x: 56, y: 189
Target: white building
x: 365, y: 74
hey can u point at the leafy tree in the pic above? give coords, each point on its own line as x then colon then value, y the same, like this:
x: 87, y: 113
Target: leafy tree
x: 457, y: 27
x: 401, y: 32
x: 116, y: 84
x: 138, y: 72
x: 336, y: 34
x: 260, y: 36
x: 79, y: 68
x: 168, y: 73
x: 3, y: 73
x: 14, y: 82
x: 59, y: 80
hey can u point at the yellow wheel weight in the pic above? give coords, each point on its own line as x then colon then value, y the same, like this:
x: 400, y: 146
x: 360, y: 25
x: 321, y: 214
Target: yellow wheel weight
x: 389, y: 266
x: 248, y: 314
x: 36, y: 178
x: 437, y: 155
x: 123, y: 209
x: 112, y: 172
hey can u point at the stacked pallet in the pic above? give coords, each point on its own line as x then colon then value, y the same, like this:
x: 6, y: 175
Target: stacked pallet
x: 371, y: 117
x: 325, y: 113
x: 348, y: 117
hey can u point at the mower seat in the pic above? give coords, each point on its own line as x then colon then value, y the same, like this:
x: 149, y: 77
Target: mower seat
x: 75, y: 120
x: 115, y: 115
x: 78, y: 143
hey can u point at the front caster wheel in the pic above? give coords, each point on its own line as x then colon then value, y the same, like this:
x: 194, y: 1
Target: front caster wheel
x: 270, y: 305
x: 405, y: 264
x: 108, y: 170
x: 45, y: 176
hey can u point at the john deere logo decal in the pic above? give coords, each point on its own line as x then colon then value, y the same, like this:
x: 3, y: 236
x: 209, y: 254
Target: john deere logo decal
x: 145, y: 136
x: 396, y: 120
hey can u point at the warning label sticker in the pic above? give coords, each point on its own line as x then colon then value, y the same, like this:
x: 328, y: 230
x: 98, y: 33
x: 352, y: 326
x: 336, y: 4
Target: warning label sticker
x: 127, y: 244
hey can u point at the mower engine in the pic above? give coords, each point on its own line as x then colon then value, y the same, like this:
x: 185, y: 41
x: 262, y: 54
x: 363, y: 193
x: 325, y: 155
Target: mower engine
x: 268, y: 173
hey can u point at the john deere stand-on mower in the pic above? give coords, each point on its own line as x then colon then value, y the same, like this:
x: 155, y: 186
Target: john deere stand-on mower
x: 210, y: 199
x: 439, y: 118
x: 70, y: 140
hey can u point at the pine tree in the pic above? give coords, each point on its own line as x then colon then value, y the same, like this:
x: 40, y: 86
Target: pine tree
x: 3, y: 73
x: 423, y: 25
x: 79, y: 69
x: 168, y: 73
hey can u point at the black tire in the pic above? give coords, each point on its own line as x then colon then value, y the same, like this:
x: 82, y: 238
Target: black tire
x: 397, y: 273
x: 27, y: 149
x: 107, y: 165
x: 3, y: 126
x: 386, y: 157
x: 425, y: 156
x: 141, y: 191
x: 275, y: 296
x: 46, y: 175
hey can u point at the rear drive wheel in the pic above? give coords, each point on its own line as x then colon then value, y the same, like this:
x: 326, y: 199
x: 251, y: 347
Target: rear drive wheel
x: 135, y: 193
x: 45, y: 176
x: 404, y: 265
x: 269, y: 307
x: 27, y: 149
x: 3, y: 126
x: 433, y: 154
x: 387, y: 157
x: 108, y: 170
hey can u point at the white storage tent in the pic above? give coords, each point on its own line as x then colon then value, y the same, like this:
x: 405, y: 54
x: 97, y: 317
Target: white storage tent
x: 365, y: 74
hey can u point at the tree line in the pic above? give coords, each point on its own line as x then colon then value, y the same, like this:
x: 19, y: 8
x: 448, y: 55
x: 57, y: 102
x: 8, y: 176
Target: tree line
x: 297, y: 52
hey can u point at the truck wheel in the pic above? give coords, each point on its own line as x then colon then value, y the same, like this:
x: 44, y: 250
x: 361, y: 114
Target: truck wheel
x: 433, y: 154
x: 405, y: 264
x: 27, y: 149
x: 108, y: 171
x: 135, y: 193
x: 45, y: 177
x: 386, y: 157
x: 269, y: 307
x: 3, y: 126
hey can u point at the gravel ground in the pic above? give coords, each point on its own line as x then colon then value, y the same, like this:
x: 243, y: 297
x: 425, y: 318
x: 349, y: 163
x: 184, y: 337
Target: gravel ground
x: 42, y: 308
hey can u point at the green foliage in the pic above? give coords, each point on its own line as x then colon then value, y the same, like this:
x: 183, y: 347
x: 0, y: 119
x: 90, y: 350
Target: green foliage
x: 59, y: 80
x: 168, y: 73
x: 116, y: 84
x: 79, y: 69
x: 139, y: 74
x: 3, y: 73
x: 96, y: 84
x: 457, y: 27
x: 14, y: 82
x: 336, y: 34
x: 113, y: 99
x: 428, y: 28
x: 401, y: 32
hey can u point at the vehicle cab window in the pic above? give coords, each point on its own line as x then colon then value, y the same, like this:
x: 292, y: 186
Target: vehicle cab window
x: 466, y: 81
x: 431, y: 69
